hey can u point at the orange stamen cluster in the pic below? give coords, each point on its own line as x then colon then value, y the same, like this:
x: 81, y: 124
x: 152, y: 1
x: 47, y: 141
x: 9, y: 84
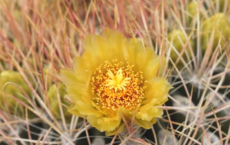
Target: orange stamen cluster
x: 117, y: 85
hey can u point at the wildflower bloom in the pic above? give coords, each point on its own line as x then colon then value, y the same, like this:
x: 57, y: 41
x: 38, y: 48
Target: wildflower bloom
x: 116, y: 78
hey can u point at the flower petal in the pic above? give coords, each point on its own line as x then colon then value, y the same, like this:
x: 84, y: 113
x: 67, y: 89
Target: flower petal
x: 157, y: 91
x: 148, y: 113
x: 68, y: 77
x: 73, y: 110
x: 80, y: 92
x: 104, y: 123
x: 103, y: 48
x: 86, y: 109
x: 145, y: 124
x: 145, y: 55
x: 116, y: 131
x: 152, y: 68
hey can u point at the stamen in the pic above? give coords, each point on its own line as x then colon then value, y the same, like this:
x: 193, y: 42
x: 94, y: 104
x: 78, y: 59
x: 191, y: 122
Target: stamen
x: 117, y: 85
x: 118, y: 81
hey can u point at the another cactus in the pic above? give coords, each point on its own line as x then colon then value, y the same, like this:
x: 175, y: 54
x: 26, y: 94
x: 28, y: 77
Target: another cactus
x: 13, y: 85
x: 54, y: 103
x: 221, y: 4
x: 219, y: 26
x: 193, y: 8
x: 181, y: 44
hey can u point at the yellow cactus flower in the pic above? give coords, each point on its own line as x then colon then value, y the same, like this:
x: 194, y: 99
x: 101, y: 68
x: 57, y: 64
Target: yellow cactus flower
x: 115, y: 79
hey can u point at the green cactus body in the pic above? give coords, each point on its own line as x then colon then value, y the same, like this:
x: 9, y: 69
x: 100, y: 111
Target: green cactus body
x: 48, y: 76
x: 192, y: 9
x: 1, y: 63
x: 179, y: 41
x: 8, y: 103
x: 54, y: 104
x: 218, y: 24
x: 220, y: 4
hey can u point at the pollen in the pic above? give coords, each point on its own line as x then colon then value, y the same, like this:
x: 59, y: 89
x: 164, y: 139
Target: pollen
x: 116, y: 84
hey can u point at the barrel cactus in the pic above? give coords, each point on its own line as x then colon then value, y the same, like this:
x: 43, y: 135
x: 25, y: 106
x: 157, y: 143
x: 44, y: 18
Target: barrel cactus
x: 181, y: 48
x: 215, y: 32
x: 115, y: 72
x: 15, y: 94
x: 56, y: 99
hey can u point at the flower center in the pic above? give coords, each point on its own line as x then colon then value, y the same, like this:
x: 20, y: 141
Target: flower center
x: 118, y: 81
x: 117, y: 85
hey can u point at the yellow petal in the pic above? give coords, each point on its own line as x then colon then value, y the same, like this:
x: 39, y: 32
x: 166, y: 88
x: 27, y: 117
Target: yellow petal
x: 80, y: 92
x: 104, y: 123
x: 77, y: 84
x: 86, y: 109
x: 104, y: 48
x: 152, y: 68
x: 145, y: 55
x: 148, y: 114
x: 116, y: 131
x: 73, y: 110
x: 145, y: 124
x: 157, y: 91
x: 68, y: 77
